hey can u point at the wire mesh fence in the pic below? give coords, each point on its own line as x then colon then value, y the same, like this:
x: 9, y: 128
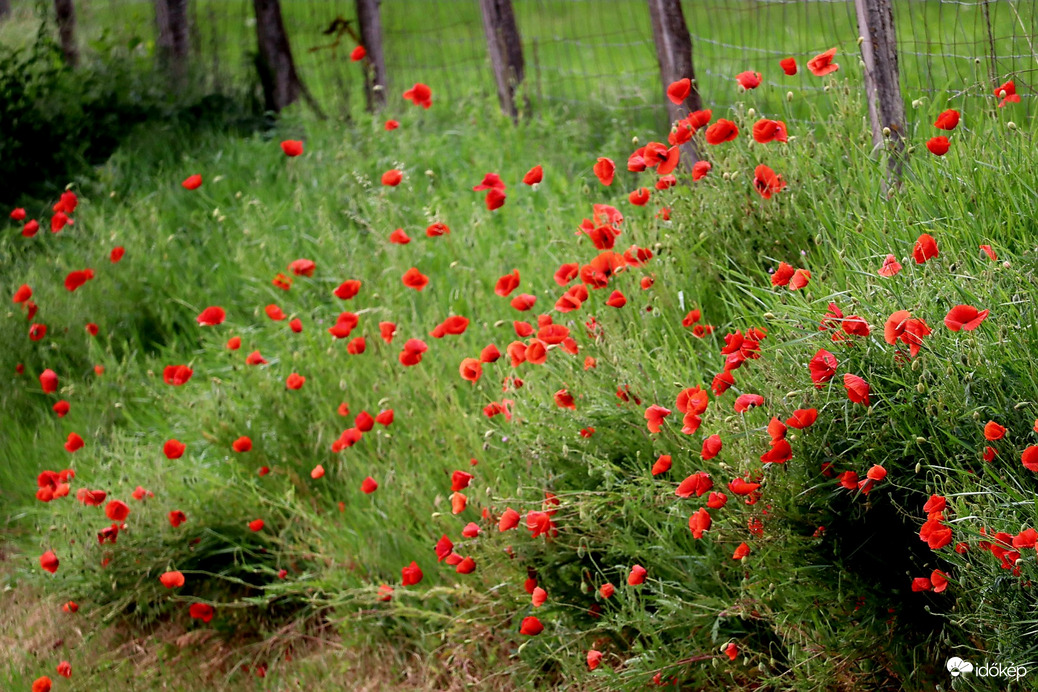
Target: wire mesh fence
x: 596, y: 57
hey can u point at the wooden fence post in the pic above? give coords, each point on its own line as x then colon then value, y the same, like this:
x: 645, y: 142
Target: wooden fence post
x: 370, y: 19
x: 66, y: 13
x: 173, y: 39
x: 506, y: 51
x: 277, y: 69
x: 882, y: 87
x: 5, y: 9
x: 674, y: 53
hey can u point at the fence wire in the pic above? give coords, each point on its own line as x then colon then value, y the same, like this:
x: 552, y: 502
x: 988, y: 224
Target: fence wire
x: 597, y: 57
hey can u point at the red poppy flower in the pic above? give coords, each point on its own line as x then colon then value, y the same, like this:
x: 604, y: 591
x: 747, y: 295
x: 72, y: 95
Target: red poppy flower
x: 392, y: 177
x: 925, y: 248
x: 437, y: 229
x: 802, y: 418
x: 947, y: 120
x: 857, y: 389
x: 639, y: 197
x: 823, y: 64
x: 800, y: 278
x: 176, y: 518
x: 938, y: 146
x: 18, y: 214
x: 420, y: 95
x: 49, y: 561
x: 507, y: 283
x: 172, y: 580
x: 22, y: 294
x: 789, y: 66
x: 61, y: 408
x: 721, y: 131
x: 699, y: 523
x: 534, y: 176
x: 1029, y: 457
x: 741, y: 551
x: 49, y: 381
x: 823, y: 367
x: 604, y: 170
x: 678, y: 91
x: 347, y: 289
x: 470, y: 369
x: 890, y: 266
x: 116, y: 254
x: 989, y: 252
x: 302, y: 267
x: 177, y: 375
x: 654, y: 416
x: 201, y: 611
x: 192, y: 182
x: 781, y: 452
x: 744, y: 402
x: 964, y: 317
x: 295, y: 381
x: 531, y: 626
x: 392, y: 125
x: 211, y: 316
x: 748, y: 80
x: 523, y: 302
x: 413, y: 278
x: 173, y: 449
x: 317, y: 472
x: 292, y: 147
x: 241, y: 445
x: 77, y: 278
x: 900, y: 326
x: 662, y: 465
x: 37, y: 332
x: 698, y: 483
x: 767, y: 182
x: 65, y: 669
x: 358, y: 54
x: 398, y: 237
x: 368, y: 485
x: 765, y: 131
x: 1007, y: 92
x: 255, y: 358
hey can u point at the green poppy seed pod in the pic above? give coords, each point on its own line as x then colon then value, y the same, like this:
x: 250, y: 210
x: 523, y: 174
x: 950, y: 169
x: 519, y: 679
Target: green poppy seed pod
x: 429, y: 173
x: 826, y: 89
x: 911, y: 150
x: 861, y: 40
x: 751, y: 113
x: 703, y: 235
x: 769, y: 316
x: 976, y: 61
x: 917, y: 103
x: 868, y: 411
x: 454, y: 264
x: 886, y: 132
x: 920, y: 388
x: 586, y: 189
x: 918, y: 467
x: 976, y: 415
x: 1006, y: 265
x: 634, y: 140
x: 1021, y: 405
x: 1011, y: 125
x: 789, y: 96
x: 861, y: 64
x: 726, y: 176
x: 818, y: 239
x: 920, y: 440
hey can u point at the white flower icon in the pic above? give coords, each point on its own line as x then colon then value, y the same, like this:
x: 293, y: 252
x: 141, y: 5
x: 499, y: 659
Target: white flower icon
x: 956, y: 666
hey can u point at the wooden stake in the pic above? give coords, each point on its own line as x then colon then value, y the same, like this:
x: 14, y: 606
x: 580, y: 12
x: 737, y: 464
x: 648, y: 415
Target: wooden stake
x: 370, y: 19
x: 674, y: 53
x: 506, y: 51
x: 882, y: 86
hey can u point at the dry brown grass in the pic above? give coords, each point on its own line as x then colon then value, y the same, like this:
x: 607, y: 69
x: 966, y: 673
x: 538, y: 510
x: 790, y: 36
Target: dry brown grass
x: 36, y: 634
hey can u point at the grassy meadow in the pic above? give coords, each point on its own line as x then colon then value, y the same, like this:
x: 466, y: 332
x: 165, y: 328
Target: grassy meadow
x: 808, y: 576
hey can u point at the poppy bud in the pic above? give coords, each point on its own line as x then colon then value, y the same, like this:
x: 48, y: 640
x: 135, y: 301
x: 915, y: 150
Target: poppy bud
x: 789, y: 96
x: 1011, y: 125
